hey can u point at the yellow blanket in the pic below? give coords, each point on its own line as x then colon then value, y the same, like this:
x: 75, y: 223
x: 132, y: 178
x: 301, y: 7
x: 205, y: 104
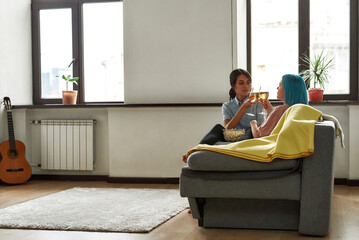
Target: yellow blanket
x: 293, y: 137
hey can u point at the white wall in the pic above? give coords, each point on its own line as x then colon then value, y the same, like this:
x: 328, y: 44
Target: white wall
x: 15, y: 55
x: 150, y: 142
x: 144, y: 142
x: 354, y: 139
x: 341, y: 155
x: 177, y: 51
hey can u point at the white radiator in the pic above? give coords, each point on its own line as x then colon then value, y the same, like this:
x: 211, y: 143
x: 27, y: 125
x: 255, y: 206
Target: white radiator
x: 67, y: 144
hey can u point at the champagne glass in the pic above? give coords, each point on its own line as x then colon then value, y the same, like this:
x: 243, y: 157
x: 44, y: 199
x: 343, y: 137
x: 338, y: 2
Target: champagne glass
x: 263, y: 96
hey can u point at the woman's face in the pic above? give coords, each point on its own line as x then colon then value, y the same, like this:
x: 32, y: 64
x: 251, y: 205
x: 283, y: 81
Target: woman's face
x: 243, y: 86
x: 280, y: 92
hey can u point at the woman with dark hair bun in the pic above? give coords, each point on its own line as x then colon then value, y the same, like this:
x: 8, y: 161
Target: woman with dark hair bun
x: 239, y: 111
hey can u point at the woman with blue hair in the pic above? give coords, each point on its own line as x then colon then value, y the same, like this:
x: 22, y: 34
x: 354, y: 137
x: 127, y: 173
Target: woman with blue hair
x: 291, y: 90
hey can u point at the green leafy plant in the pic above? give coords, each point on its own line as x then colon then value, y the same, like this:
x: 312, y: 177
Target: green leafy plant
x: 69, y: 79
x: 318, y: 71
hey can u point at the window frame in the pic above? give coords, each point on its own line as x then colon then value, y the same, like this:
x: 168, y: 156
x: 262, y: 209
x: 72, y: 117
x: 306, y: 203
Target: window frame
x: 77, y: 46
x: 304, y: 43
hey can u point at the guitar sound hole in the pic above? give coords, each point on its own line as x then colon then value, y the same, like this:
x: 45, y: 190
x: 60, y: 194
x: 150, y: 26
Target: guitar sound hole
x: 15, y: 170
x: 13, y: 154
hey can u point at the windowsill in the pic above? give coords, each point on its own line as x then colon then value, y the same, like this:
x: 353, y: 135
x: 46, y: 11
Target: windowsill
x: 106, y: 105
x: 335, y: 102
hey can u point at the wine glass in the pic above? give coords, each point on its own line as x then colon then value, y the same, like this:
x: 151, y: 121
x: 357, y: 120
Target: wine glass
x: 255, y: 97
x: 263, y: 96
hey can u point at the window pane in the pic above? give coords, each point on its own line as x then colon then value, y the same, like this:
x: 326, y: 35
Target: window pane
x: 274, y: 42
x: 329, y: 31
x: 55, y: 50
x: 103, y: 51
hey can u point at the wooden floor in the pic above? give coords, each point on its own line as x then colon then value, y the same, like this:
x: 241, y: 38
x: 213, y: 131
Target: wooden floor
x: 344, y: 220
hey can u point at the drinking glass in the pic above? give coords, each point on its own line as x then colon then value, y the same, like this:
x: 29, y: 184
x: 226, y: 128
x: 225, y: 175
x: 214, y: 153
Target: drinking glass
x: 255, y: 97
x: 263, y: 96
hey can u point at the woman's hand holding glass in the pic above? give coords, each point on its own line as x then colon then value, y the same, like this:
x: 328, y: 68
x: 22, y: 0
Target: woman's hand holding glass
x: 263, y: 98
x: 252, y: 99
x: 254, y: 96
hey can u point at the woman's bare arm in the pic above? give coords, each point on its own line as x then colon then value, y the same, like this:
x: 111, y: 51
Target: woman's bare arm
x: 268, y: 106
x: 255, y: 129
x: 232, y: 123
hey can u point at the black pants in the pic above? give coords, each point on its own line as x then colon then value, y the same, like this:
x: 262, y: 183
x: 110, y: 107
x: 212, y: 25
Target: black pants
x: 216, y: 134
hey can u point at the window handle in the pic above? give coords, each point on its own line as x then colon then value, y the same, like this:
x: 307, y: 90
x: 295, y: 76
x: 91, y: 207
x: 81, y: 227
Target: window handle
x: 73, y: 60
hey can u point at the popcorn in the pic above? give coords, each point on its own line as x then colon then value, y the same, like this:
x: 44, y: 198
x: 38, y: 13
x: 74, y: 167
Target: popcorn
x: 232, y: 135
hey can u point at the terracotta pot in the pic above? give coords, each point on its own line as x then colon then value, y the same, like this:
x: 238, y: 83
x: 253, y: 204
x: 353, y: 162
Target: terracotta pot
x: 69, y: 97
x: 315, y: 95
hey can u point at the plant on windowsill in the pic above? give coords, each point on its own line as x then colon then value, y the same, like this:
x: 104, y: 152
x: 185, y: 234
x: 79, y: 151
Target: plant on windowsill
x: 318, y: 73
x: 69, y: 96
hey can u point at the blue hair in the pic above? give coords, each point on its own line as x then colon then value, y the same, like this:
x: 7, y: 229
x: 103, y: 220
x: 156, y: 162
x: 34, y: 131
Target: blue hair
x: 295, y: 90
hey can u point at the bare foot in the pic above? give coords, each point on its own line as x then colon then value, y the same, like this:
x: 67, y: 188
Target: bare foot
x: 184, y: 158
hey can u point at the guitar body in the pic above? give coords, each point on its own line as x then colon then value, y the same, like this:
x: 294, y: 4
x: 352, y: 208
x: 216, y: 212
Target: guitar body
x: 14, y: 169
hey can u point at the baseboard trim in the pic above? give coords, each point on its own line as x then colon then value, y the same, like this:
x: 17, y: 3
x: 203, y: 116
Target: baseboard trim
x: 340, y: 181
x: 337, y: 181
x: 105, y: 178
x: 345, y: 181
x: 69, y: 177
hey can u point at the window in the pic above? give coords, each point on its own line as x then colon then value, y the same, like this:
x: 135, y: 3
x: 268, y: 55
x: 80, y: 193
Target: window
x: 274, y: 42
x: 329, y: 31
x: 53, y: 22
x: 82, y: 38
x: 281, y: 31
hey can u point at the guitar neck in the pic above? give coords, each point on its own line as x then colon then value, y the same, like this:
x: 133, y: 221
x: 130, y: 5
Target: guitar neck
x: 10, y: 126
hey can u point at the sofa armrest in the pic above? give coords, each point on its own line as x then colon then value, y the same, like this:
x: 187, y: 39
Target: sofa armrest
x: 317, y: 182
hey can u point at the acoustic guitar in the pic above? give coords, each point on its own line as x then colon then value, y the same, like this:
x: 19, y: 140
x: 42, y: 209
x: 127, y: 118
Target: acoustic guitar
x: 14, y: 169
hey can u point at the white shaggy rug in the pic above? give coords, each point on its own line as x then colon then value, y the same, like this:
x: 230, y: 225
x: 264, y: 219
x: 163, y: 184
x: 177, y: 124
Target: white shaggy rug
x: 96, y: 209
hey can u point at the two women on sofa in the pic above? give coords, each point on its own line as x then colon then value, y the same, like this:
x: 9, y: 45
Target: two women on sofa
x: 241, y: 112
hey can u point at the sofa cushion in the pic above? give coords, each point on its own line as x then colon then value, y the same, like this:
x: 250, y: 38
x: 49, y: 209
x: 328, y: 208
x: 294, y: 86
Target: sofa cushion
x: 212, y: 161
x: 232, y: 175
x: 285, y: 187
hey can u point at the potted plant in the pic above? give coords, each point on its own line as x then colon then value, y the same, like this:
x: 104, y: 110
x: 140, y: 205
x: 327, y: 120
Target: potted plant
x: 318, y: 73
x: 68, y: 96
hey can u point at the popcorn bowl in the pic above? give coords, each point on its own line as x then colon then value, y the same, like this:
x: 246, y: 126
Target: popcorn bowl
x: 233, y: 135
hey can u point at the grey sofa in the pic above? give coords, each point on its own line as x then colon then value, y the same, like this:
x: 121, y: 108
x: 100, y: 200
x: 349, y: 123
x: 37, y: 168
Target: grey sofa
x: 230, y: 192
